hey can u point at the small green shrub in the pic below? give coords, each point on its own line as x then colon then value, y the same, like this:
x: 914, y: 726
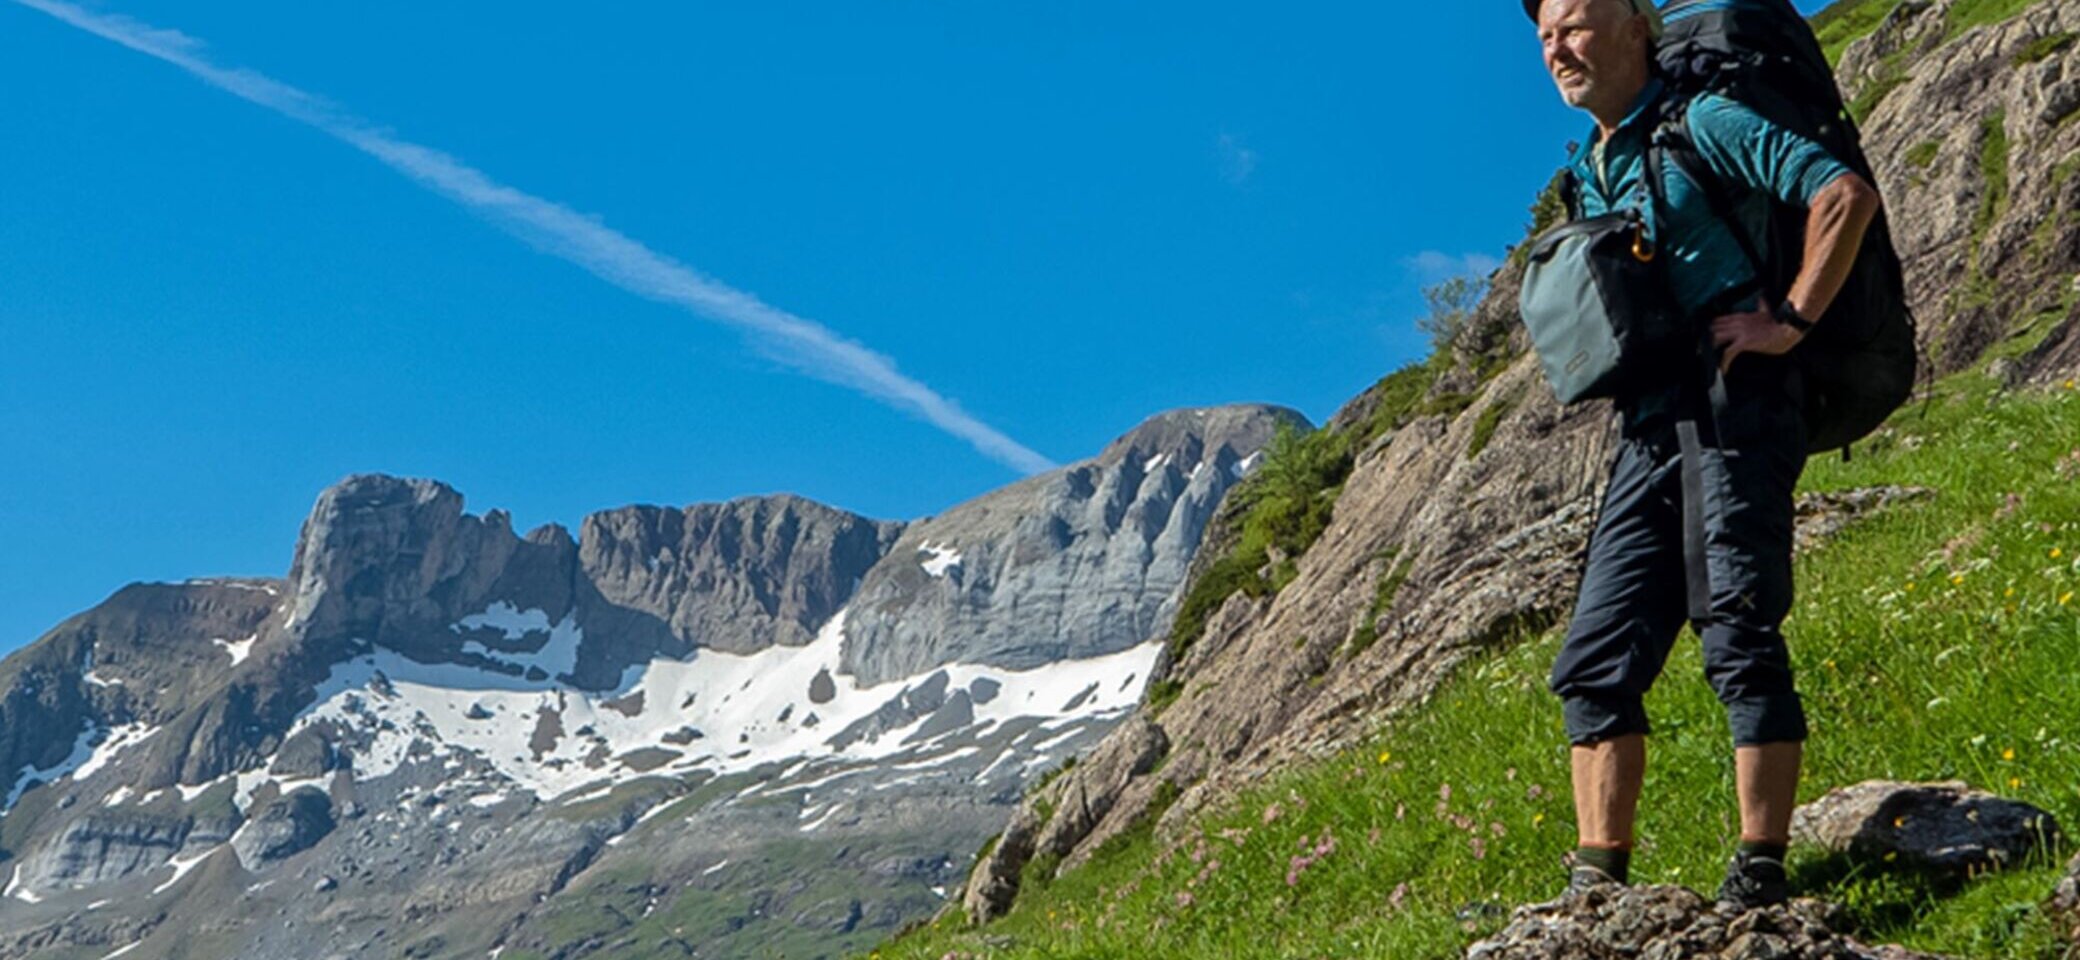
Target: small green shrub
x: 1847, y: 21
x: 1286, y: 505
x: 1993, y: 170
x: 1967, y: 14
x: 1484, y: 426
x: 2043, y: 47
x: 1383, y: 593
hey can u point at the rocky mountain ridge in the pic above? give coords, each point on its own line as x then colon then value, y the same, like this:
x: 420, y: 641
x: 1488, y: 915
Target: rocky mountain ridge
x: 435, y: 718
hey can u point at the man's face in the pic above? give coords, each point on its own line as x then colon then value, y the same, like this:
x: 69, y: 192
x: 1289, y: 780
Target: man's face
x: 1594, y: 50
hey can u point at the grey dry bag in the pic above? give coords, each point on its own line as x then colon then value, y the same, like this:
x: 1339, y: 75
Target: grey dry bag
x: 1597, y: 308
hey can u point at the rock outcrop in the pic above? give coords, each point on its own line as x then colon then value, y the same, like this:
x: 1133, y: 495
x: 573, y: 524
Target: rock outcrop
x: 102, y: 847
x: 1969, y: 134
x: 1074, y: 563
x: 736, y: 577
x: 1945, y: 828
x: 1673, y: 923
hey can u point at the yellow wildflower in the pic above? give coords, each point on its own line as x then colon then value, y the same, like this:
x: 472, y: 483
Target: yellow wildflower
x: 2009, y: 593
x: 1537, y: 818
x: 1910, y: 586
x: 2008, y: 754
x: 2014, y: 783
x: 2068, y: 598
x: 2057, y: 553
x: 1385, y: 755
x: 1957, y: 580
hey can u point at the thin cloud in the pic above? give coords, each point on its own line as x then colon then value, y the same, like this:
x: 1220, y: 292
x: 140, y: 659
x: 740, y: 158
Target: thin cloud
x: 561, y: 232
x: 1237, y: 161
x: 1431, y: 266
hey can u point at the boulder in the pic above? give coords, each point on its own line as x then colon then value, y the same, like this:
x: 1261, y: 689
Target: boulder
x: 1942, y: 827
x: 1673, y: 923
x: 2064, y: 907
x: 288, y: 825
x: 307, y: 753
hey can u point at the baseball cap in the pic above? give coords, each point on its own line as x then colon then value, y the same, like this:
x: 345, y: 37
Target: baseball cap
x: 1644, y: 8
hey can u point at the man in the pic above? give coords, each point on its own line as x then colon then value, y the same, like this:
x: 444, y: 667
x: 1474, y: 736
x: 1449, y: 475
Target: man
x: 1633, y: 596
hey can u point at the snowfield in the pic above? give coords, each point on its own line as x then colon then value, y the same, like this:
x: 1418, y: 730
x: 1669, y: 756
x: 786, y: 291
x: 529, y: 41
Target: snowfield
x: 715, y: 712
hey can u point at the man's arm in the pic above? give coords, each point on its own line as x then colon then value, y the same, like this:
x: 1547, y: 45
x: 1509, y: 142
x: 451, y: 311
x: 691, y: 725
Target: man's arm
x: 1840, y: 213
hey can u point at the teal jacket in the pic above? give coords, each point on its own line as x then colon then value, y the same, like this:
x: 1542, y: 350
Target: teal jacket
x: 1756, y: 158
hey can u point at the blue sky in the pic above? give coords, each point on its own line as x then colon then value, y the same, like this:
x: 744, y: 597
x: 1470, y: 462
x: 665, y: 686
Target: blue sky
x: 1061, y: 218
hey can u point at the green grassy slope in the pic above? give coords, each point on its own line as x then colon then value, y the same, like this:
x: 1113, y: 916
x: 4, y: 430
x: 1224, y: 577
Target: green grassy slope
x: 1938, y: 640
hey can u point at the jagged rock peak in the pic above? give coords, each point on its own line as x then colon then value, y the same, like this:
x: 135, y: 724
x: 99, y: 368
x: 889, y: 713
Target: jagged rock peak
x: 739, y: 576
x: 1082, y: 561
x: 380, y: 551
x: 1187, y: 434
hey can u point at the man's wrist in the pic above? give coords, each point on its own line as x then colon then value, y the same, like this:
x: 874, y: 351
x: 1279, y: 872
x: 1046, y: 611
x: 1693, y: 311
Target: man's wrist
x: 1787, y: 314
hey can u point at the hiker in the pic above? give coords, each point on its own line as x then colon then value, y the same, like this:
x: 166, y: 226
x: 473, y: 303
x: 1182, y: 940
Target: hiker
x: 1731, y: 398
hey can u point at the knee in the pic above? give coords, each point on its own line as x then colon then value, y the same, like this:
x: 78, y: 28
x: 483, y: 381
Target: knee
x: 1744, y: 662
x: 1593, y: 719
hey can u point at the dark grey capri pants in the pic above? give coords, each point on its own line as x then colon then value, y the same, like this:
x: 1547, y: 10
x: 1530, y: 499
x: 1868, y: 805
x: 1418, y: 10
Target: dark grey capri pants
x: 1633, y: 599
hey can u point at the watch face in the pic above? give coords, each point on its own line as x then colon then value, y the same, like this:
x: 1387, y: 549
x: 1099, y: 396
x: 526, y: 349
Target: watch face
x: 1788, y: 316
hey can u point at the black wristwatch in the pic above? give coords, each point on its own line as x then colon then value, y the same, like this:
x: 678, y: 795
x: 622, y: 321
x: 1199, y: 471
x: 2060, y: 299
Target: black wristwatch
x: 1787, y: 315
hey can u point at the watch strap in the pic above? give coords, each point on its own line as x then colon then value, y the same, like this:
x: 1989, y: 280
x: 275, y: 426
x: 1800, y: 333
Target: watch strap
x: 1788, y: 315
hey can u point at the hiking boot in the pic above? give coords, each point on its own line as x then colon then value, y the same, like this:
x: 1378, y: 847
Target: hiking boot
x: 1586, y: 878
x: 1753, y: 881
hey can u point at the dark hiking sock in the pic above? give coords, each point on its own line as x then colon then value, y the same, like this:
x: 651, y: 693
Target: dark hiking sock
x: 1615, y: 863
x: 1766, y: 851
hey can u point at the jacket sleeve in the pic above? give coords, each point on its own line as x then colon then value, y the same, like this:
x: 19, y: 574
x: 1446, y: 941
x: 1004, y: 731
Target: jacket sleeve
x: 1744, y: 147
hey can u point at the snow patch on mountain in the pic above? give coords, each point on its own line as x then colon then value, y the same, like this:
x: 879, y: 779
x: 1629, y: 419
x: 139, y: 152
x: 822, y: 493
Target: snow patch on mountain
x: 18, y: 890
x: 239, y: 651
x: 744, y: 711
x: 558, y: 656
x: 939, y: 560
x: 181, y: 866
x: 82, y: 751
x: 118, y: 739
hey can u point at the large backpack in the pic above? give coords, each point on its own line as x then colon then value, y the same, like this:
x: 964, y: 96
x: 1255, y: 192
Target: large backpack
x: 1859, y: 361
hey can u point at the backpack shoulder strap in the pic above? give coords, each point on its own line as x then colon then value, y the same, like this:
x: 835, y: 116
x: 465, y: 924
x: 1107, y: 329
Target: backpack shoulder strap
x: 1672, y: 139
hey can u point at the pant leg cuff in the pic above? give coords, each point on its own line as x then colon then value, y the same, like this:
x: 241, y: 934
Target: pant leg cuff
x: 1596, y: 719
x: 1772, y: 718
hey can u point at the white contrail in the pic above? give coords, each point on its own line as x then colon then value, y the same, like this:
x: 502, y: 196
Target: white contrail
x: 562, y: 232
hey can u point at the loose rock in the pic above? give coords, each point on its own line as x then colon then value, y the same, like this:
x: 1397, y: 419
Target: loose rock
x: 1671, y: 923
x: 1941, y: 827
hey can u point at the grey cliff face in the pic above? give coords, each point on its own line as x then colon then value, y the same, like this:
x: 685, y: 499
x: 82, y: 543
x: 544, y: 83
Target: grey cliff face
x: 399, y: 564
x: 1078, y: 562
x: 737, y: 577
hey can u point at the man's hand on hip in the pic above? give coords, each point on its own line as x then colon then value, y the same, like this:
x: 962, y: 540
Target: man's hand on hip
x: 1756, y: 331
